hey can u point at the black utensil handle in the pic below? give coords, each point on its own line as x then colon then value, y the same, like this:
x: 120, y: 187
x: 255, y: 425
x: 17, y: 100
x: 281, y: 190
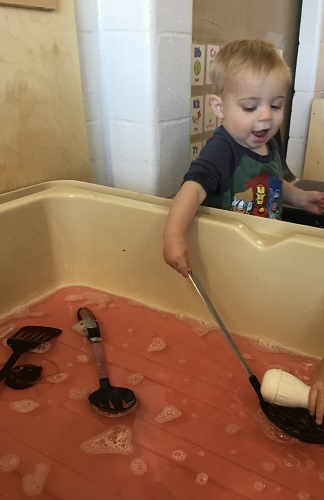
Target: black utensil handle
x: 9, y: 364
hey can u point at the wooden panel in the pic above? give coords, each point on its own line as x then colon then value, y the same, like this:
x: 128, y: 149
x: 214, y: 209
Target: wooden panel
x: 42, y: 123
x: 314, y: 160
x: 31, y: 4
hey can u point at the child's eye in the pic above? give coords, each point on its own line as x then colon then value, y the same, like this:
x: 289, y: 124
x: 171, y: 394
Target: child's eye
x: 276, y: 107
x: 249, y: 109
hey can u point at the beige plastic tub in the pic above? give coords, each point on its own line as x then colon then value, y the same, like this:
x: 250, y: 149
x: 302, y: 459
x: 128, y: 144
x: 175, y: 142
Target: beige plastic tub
x: 266, y: 278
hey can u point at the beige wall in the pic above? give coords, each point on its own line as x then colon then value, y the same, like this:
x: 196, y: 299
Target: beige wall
x: 42, y: 125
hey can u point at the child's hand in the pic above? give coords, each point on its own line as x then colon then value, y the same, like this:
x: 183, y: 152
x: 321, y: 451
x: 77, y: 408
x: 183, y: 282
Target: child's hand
x: 176, y: 255
x: 313, y: 202
x: 316, y: 394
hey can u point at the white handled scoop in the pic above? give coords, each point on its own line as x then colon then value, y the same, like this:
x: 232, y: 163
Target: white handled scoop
x: 284, y: 389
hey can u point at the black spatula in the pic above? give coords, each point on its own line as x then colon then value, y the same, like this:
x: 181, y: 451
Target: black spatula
x: 26, y: 339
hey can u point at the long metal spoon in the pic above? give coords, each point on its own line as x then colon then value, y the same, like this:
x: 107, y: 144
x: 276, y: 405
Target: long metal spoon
x: 107, y: 398
x: 296, y: 422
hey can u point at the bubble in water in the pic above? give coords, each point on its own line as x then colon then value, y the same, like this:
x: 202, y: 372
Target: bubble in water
x: 115, y: 440
x: 82, y: 358
x: 310, y: 464
x: 157, y: 344
x: 80, y: 328
x: 138, y: 466
x: 24, y: 405
x: 321, y: 476
x: 57, y: 378
x: 33, y: 484
x: 135, y: 378
x: 202, y: 479
x: 246, y: 355
x: 202, y: 329
x: 271, y: 430
x: 179, y: 455
x: 8, y: 463
x: 41, y: 349
x: 268, y: 466
x: 100, y: 299
x: 232, y: 428
x: 79, y: 393
x: 259, y: 486
x: 291, y: 461
x: 167, y: 414
x: 5, y: 330
x: 303, y: 495
x: 201, y: 453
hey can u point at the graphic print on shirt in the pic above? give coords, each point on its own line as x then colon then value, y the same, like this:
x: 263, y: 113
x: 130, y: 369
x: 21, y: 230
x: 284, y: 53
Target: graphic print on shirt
x: 262, y: 198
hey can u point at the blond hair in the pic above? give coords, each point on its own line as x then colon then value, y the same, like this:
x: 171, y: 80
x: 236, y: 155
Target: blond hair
x: 257, y: 55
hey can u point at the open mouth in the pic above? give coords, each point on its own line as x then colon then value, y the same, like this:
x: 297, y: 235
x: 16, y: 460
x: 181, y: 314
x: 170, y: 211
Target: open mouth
x: 260, y: 134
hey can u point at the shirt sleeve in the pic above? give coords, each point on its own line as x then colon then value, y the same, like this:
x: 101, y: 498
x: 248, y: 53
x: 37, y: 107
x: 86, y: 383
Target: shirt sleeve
x: 214, y: 166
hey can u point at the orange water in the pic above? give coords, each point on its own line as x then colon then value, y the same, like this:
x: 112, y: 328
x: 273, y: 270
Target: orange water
x: 219, y: 446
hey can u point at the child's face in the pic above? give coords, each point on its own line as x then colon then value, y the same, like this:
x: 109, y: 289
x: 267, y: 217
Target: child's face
x: 252, y: 107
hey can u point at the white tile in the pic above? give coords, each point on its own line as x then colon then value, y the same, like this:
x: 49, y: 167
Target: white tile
x: 319, y: 87
x: 133, y: 156
x: 300, y: 113
x: 174, y: 155
x: 173, y: 67
x: 89, y: 52
x: 311, y: 21
x: 306, y: 67
x: 128, y: 75
x: 174, y: 15
x: 86, y: 13
x: 126, y: 14
x: 98, y: 167
x: 296, y: 156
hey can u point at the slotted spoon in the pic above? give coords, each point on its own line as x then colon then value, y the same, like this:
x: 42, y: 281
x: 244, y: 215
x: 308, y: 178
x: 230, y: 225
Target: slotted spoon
x: 296, y: 422
x: 26, y: 339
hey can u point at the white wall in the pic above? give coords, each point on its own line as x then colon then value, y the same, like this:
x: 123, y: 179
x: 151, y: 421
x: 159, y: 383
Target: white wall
x: 309, y: 82
x: 135, y: 63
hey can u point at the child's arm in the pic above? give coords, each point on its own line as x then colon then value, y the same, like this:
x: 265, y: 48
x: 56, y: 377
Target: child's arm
x: 312, y: 201
x: 182, y: 211
x: 316, y: 394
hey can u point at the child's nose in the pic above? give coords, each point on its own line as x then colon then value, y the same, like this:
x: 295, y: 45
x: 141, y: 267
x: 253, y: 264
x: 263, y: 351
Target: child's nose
x: 265, y: 114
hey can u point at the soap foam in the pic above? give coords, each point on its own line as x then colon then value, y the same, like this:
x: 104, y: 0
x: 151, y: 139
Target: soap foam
x: 57, y: 378
x: 167, y: 414
x: 5, y: 330
x: 115, y: 440
x: 41, y: 349
x: 138, y: 466
x: 82, y: 358
x: 24, y: 405
x: 202, y: 478
x: 179, y: 455
x: 157, y: 344
x: 99, y: 299
x: 8, y: 463
x: 33, y: 484
x: 79, y: 393
x: 135, y: 378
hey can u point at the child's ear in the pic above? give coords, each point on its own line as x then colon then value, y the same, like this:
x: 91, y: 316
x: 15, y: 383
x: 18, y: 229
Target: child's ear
x: 216, y: 104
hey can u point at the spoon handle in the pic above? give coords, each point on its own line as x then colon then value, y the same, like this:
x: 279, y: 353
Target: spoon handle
x: 100, y: 360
